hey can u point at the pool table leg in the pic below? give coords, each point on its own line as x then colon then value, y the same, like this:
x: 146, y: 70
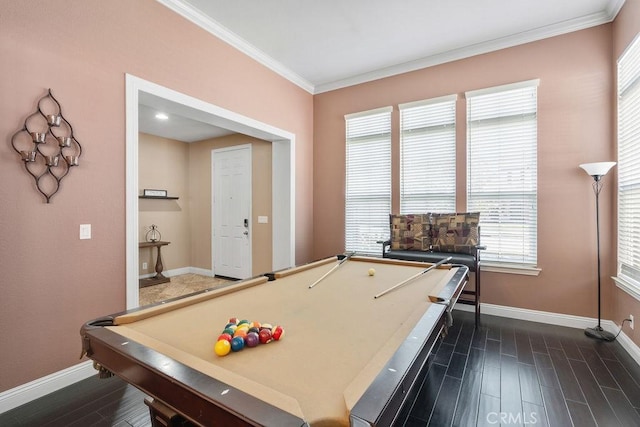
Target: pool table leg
x: 163, y: 416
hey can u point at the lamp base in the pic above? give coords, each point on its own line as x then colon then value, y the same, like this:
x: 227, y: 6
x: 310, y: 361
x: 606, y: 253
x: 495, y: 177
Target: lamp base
x: 599, y: 334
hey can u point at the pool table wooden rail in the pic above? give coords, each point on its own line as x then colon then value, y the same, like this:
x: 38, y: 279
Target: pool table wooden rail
x: 203, y: 401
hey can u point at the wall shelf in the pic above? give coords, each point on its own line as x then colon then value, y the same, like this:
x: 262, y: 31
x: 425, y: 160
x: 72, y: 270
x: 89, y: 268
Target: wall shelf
x: 159, y: 197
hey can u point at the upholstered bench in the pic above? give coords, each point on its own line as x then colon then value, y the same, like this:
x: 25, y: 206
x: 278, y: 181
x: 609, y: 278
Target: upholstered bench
x: 431, y: 237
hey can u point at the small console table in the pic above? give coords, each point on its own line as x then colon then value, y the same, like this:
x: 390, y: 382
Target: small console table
x: 159, y: 277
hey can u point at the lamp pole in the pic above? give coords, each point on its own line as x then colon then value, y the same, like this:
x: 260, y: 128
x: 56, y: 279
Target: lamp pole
x: 597, y: 171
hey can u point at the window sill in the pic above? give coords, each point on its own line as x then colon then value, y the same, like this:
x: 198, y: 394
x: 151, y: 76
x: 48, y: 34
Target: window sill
x: 524, y: 270
x: 627, y: 287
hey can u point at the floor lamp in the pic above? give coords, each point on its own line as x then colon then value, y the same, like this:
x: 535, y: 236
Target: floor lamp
x: 597, y: 171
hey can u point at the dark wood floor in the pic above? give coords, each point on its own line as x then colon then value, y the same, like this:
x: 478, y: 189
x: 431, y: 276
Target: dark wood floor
x: 508, y: 372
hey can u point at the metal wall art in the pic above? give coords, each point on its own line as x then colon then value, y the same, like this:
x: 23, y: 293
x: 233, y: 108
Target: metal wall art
x: 46, y: 146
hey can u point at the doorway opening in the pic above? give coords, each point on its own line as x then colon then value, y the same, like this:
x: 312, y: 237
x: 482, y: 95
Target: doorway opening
x: 283, y: 170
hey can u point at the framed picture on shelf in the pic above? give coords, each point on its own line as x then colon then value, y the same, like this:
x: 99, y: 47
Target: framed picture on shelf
x: 154, y: 193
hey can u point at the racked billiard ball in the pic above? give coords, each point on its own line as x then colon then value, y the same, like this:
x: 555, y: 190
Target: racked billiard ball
x: 252, y: 339
x: 277, y: 332
x: 222, y: 347
x: 226, y: 337
x: 265, y: 336
x: 237, y: 343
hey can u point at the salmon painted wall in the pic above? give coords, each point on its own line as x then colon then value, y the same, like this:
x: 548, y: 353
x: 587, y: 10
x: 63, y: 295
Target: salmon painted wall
x: 574, y: 126
x: 51, y: 281
x: 626, y: 27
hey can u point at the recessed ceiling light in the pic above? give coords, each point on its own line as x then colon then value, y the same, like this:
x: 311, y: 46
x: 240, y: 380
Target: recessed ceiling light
x: 162, y: 116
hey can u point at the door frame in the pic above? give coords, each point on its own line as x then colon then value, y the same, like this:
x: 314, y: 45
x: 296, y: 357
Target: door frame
x: 250, y: 216
x: 283, y: 175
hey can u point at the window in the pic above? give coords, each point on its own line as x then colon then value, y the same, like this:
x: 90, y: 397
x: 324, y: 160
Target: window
x: 428, y: 155
x: 502, y: 170
x: 629, y: 166
x: 368, y: 180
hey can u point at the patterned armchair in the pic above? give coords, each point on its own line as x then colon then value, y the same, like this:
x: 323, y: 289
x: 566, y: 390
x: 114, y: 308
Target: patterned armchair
x: 431, y: 237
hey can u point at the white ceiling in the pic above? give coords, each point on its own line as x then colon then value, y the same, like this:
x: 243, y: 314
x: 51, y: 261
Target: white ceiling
x: 323, y: 45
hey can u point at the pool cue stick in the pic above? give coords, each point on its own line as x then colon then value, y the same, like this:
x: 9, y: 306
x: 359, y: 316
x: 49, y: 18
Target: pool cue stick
x: 342, y: 261
x: 437, y: 264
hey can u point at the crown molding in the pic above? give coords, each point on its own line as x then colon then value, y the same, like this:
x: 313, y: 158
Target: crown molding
x: 541, y: 33
x: 206, y: 23
x: 565, y: 27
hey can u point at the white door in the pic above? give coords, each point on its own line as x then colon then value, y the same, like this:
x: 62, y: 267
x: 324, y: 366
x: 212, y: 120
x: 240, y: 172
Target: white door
x: 231, y: 211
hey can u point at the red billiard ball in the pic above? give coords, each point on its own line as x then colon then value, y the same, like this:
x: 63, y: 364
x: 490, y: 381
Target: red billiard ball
x: 265, y: 336
x: 277, y: 332
x: 252, y: 339
x: 225, y: 337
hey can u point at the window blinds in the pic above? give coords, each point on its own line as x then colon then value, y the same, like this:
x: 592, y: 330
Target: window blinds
x: 502, y: 170
x: 368, y: 180
x: 428, y: 155
x: 629, y: 165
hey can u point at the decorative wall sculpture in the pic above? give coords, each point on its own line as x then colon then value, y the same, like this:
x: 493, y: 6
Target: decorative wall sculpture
x: 47, y: 146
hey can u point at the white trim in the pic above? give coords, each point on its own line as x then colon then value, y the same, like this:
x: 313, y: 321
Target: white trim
x: 524, y: 270
x: 182, y: 270
x: 369, y: 112
x: 35, y: 389
x: 559, y: 319
x: 476, y: 49
x: 502, y: 88
x: 445, y: 98
x: 627, y: 287
x: 283, y: 166
x: 216, y: 29
x: 205, y: 22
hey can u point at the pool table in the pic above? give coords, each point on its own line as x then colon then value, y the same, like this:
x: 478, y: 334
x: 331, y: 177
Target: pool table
x: 346, y: 358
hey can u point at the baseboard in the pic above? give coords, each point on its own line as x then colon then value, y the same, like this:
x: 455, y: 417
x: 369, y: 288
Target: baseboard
x: 35, y: 389
x: 181, y: 270
x: 559, y: 319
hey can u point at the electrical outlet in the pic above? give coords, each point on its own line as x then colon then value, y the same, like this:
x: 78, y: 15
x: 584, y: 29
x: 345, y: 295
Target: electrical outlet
x: 631, y: 323
x: 144, y: 265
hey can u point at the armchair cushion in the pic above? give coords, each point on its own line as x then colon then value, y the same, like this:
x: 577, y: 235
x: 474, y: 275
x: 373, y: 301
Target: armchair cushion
x: 456, y: 232
x: 411, y: 232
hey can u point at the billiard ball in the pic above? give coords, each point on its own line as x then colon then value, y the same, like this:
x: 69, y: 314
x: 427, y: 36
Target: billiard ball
x: 222, y: 348
x: 265, y: 336
x: 237, y: 343
x: 266, y: 326
x: 233, y: 320
x: 229, y: 331
x: 225, y: 337
x: 277, y: 332
x: 240, y: 333
x: 252, y: 339
x: 372, y: 271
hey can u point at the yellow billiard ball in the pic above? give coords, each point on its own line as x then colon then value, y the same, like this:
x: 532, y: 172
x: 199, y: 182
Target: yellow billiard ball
x: 372, y: 271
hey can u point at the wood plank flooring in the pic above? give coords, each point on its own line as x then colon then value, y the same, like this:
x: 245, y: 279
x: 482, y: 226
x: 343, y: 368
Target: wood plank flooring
x: 508, y: 372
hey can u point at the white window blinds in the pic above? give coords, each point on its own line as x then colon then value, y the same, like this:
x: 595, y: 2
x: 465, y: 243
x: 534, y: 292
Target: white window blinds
x: 629, y: 165
x: 502, y: 170
x: 368, y: 180
x: 428, y: 155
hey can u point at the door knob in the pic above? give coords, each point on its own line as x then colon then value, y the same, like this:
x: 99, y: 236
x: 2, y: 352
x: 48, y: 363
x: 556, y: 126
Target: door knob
x: 246, y: 233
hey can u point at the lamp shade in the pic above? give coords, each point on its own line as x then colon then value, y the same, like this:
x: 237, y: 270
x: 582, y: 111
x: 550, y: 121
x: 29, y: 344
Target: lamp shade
x: 597, y: 169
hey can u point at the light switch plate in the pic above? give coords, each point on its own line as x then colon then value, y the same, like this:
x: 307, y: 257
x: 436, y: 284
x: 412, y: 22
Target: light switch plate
x: 85, y: 231
x: 263, y: 219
